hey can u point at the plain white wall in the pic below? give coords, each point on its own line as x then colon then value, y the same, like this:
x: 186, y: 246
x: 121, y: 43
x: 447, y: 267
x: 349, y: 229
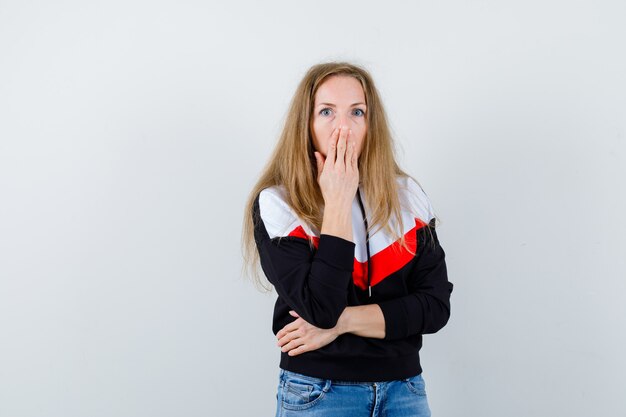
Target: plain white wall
x: 132, y: 131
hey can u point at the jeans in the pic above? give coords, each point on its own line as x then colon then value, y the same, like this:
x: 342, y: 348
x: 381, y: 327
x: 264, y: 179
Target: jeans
x: 303, y: 395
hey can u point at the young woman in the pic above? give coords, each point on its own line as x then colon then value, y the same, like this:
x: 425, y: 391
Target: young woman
x: 348, y: 240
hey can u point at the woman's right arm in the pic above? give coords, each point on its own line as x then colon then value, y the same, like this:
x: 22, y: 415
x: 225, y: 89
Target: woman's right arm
x: 314, y: 285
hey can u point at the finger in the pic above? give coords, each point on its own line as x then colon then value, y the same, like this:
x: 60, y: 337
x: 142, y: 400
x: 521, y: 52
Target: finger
x: 300, y: 349
x: 291, y: 345
x: 350, y: 155
x: 341, y: 149
x: 332, y: 147
x: 280, y: 333
x: 355, y: 157
x: 288, y: 328
x: 286, y: 339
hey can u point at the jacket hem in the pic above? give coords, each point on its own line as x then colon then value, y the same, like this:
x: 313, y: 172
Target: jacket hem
x: 353, y: 369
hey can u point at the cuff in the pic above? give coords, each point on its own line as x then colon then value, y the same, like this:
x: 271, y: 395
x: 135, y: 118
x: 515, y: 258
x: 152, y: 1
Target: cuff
x: 395, y: 319
x: 336, y: 252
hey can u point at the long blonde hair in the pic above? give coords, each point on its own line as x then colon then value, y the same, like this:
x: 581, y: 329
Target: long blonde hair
x: 293, y: 164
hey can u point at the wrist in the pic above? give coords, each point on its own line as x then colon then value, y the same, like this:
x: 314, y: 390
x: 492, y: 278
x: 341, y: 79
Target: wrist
x: 338, y: 215
x: 343, y: 324
x: 338, y: 207
x: 338, y: 222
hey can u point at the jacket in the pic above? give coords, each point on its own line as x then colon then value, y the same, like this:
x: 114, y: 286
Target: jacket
x: 319, y: 281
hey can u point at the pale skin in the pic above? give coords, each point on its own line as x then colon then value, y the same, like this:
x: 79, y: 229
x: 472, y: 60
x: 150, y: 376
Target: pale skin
x: 338, y: 130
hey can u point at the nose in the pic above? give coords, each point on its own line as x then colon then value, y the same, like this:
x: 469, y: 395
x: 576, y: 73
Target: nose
x: 343, y: 120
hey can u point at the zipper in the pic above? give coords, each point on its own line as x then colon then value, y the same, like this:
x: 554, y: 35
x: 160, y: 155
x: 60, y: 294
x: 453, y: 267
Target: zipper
x: 367, y: 242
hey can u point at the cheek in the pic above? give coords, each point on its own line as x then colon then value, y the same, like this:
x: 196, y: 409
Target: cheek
x: 322, y: 127
x: 360, y: 139
x: 321, y: 135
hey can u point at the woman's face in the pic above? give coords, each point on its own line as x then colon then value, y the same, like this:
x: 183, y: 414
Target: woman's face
x: 339, y: 101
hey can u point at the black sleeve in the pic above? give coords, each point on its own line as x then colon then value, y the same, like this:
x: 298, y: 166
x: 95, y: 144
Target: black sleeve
x: 314, y: 283
x: 427, y: 308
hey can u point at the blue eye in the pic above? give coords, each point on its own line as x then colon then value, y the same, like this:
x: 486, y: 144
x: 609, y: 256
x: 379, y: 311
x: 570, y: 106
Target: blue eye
x: 362, y: 113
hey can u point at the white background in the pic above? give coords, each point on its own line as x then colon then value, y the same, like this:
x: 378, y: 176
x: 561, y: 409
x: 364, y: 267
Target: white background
x: 132, y: 131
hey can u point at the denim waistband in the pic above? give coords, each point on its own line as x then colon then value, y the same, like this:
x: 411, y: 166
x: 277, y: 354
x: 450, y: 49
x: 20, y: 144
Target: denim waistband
x: 285, y: 373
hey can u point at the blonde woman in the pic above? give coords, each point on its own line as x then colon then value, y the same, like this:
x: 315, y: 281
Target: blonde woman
x: 348, y: 241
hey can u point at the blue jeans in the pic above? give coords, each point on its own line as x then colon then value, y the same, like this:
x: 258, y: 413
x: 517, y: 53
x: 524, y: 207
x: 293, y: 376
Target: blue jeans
x: 303, y: 395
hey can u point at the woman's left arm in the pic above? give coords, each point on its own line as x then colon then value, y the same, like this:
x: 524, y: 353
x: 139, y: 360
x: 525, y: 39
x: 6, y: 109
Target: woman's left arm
x: 365, y: 320
x: 426, y: 309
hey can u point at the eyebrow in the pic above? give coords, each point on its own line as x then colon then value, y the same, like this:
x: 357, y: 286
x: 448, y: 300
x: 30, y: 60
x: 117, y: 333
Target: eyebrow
x: 332, y: 105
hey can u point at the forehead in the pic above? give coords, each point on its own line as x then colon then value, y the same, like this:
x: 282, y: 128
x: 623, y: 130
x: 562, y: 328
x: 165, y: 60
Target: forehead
x: 340, y: 88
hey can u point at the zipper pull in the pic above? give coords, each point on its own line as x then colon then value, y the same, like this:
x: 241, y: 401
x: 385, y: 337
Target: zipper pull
x: 370, y: 290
